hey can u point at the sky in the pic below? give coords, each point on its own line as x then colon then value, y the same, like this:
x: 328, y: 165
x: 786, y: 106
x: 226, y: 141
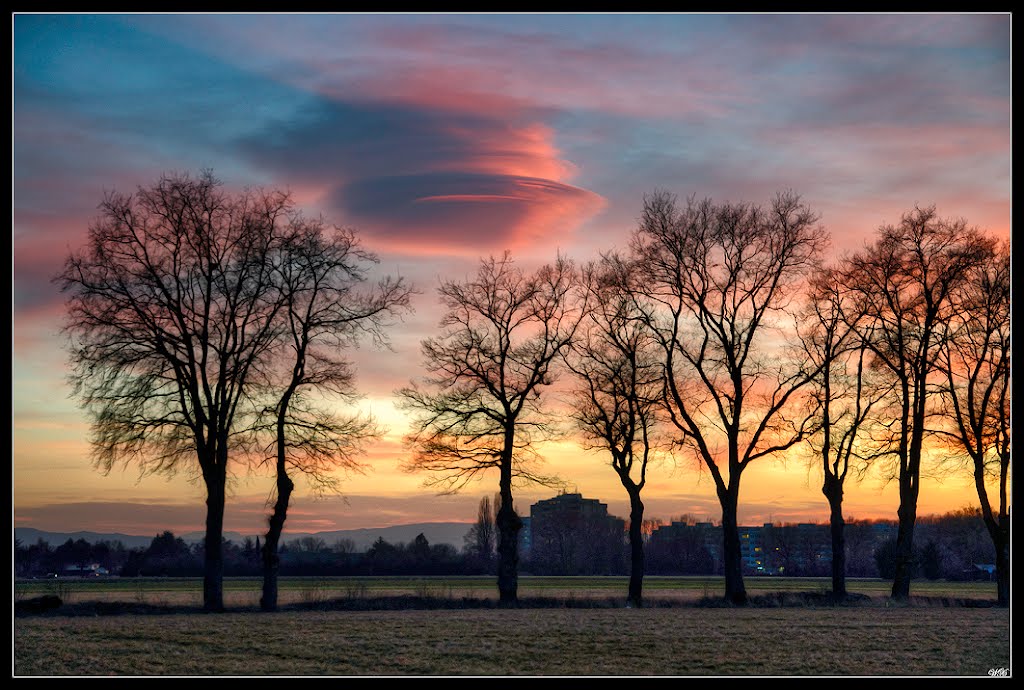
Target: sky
x: 446, y: 138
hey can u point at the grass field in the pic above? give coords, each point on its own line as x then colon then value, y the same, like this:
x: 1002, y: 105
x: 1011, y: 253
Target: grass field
x: 674, y: 641
x: 872, y: 638
x: 245, y: 592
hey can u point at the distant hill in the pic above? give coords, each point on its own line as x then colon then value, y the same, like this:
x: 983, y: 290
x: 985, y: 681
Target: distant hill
x: 435, y: 532
x: 30, y: 535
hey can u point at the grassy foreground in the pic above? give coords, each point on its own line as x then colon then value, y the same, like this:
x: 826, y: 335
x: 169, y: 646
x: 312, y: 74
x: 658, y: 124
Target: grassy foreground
x: 245, y: 592
x: 675, y: 641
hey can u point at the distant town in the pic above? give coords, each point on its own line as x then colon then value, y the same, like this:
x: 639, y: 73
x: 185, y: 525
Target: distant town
x: 565, y: 535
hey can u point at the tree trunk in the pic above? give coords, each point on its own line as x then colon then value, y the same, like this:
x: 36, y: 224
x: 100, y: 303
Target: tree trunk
x: 732, y: 555
x: 285, y: 486
x: 909, y: 478
x: 271, y: 559
x: 213, y: 573
x: 833, y: 490
x: 998, y: 530
x: 636, y: 546
x: 1002, y: 544
x: 509, y: 525
x: 905, y: 542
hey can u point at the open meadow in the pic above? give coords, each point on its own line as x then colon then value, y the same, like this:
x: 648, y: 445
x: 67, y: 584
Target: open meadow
x: 245, y: 591
x: 582, y: 629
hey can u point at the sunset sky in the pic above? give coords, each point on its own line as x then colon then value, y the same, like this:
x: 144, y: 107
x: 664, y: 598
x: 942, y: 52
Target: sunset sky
x: 444, y: 138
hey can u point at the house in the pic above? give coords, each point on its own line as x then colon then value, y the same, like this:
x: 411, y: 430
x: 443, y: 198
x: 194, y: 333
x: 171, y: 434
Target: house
x: 90, y: 570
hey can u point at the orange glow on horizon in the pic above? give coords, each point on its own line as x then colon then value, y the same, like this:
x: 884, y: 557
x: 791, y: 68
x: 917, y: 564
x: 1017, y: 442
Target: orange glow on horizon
x: 445, y: 138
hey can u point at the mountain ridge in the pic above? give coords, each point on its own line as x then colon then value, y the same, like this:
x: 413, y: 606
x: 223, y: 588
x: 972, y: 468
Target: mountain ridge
x: 435, y: 532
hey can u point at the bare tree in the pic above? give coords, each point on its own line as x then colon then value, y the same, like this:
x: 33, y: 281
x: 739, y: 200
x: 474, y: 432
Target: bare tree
x: 903, y: 285
x: 326, y: 311
x: 720, y: 276
x: 480, y: 408
x: 619, y: 383
x: 172, y: 307
x: 975, y: 359
x: 482, y: 537
x: 843, y: 395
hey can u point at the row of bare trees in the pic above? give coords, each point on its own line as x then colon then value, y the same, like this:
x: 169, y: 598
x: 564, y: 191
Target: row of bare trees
x: 210, y: 325
x: 721, y: 334
x: 911, y: 337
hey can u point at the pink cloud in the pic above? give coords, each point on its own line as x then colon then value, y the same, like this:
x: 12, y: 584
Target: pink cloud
x: 443, y: 65
x: 526, y: 150
x: 477, y: 69
x: 861, y: 176
x: 419, y: 179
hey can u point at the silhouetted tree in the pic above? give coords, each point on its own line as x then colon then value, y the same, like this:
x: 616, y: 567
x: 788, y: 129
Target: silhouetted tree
x: 843, y: 396
x: 419, y: 549
x: 133, y: 564
x: 903, y: 286
x: 171, y: 308
x: 250, y: 555
x: 795, y: 549
x: 309, y: 544
x: 619, y: 383
x: 886, y: 557
x: 931, y: 561
x: 861, y: 541
x: 73, y: 552
x: 976, y: 362
x: 480, y: 408
x: 418, y: 557
x: 680, y: 549
x: 721, y: 276
x: 962, y: 542
x: 443, y: 559
x: 482, y: 537
x: 168, y: 555
x: 345, y: 547
x: 308, y: 556
x: 320, y: 272
x: 382, y: 557
x: 33, y: 559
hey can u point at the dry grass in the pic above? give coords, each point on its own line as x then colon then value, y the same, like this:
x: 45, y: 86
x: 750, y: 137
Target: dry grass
x: 245, y: 592
x: 676, y: 641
